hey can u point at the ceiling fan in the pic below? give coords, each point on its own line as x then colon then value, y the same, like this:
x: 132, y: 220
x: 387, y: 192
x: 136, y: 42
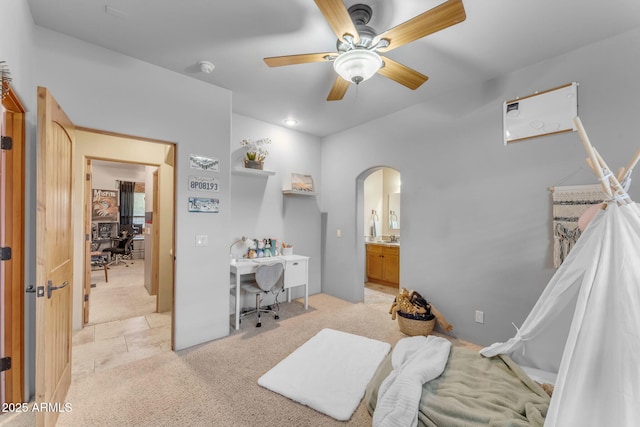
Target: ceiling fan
x: 358, y: 58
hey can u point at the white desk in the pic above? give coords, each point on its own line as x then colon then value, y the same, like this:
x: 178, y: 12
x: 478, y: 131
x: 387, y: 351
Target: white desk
x: 296, y: 273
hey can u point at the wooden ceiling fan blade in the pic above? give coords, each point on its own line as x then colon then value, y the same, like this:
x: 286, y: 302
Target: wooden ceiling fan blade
x: 338, y: 89
x: 278, y: 61
x: 338, y: 17
x: 440, y: 17
x: 402, y: 74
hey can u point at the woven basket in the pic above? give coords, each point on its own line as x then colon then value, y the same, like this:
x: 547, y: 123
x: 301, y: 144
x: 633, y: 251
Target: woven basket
x: 413, y: 327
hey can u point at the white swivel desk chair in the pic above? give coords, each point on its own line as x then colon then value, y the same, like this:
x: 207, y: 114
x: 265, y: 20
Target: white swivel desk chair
x: 268, y: 277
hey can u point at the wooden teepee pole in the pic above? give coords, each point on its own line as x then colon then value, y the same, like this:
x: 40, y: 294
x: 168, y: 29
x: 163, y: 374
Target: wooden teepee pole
x: 613, y: 181
x: 595, y: 164
x: 623, y: 174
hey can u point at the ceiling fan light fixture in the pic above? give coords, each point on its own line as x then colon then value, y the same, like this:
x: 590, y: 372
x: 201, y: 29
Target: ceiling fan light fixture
x: 357, y: 65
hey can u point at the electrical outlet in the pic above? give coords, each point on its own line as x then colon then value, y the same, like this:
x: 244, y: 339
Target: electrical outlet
x: 479, y: 316
x: 338, y: 233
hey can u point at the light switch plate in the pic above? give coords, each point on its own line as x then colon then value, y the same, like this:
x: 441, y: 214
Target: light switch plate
x: 202, y: 240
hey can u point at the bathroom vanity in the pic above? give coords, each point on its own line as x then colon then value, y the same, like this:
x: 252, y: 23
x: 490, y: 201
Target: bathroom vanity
x: 383, y: 263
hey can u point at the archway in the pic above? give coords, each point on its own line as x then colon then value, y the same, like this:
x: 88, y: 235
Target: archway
x: 377, y: 197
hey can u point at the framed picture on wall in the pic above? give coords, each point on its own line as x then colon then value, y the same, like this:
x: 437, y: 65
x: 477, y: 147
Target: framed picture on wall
x: 300, y: 182
x: 540, y: 114
x: 104, y: 206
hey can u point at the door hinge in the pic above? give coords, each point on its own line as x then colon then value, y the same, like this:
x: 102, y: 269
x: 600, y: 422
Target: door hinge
x: 5, y: 254
x: 88, y: 177
x: 6, y: 143
x: 5, y: 364
x: 86, y: 297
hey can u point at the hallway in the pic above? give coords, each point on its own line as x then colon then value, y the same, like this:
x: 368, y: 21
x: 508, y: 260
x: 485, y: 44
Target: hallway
x: 123, y: 326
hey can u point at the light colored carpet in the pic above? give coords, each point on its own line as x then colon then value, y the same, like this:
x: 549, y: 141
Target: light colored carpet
x: 215, y: 384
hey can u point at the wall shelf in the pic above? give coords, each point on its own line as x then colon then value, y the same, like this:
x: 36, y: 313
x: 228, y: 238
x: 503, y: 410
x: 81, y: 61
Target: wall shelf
x: 240, y: 170
x: 298, y: 193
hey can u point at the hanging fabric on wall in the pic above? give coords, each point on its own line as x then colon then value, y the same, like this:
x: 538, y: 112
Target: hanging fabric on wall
x: 569, y: 203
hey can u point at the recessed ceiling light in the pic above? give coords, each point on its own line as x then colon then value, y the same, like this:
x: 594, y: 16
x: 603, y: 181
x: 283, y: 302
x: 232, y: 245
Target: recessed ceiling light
x: 290, y: 122
x: 116, y: 13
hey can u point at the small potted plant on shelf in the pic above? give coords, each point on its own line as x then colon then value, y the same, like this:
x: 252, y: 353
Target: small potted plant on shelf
x: 256, y: 152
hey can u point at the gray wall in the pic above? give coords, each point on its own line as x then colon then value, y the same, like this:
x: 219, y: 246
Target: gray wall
x: 476, y: 215
x: 258, y: 207
x: 16, y: 48
x: 104, y: 90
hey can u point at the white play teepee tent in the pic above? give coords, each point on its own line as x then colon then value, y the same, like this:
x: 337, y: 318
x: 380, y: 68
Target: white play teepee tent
x: 598, y: 381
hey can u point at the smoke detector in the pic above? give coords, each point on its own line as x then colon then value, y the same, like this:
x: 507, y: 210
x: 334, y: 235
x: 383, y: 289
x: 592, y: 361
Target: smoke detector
x: 206, y: 67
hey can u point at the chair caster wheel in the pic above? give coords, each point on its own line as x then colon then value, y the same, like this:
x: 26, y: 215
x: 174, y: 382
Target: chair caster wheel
x: 276, y: 317
x: 258, y: 325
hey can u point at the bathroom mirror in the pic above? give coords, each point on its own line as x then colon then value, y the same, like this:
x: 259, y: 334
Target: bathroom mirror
x: 394, y: 211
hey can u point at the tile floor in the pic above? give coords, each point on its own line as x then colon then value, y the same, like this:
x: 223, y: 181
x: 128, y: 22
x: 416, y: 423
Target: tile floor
x: 106, y: 345
x: 102, y: 346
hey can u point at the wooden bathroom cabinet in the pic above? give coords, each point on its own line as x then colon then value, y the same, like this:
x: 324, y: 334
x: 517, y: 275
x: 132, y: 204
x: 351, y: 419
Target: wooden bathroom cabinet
x: 383, y: 264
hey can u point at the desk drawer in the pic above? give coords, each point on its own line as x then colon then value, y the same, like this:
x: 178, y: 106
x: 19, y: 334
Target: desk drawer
x: 295, y: 273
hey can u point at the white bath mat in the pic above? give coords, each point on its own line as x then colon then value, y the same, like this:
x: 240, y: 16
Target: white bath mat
x: 328, y: 373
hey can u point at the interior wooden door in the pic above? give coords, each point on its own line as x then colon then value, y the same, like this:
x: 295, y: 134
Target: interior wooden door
x: 54, y: 258
x: 12, y: 128
x: 87, y: 244
x: 155, y: 239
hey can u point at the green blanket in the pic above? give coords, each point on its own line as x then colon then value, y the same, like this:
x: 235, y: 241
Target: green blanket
x: 474, y: 391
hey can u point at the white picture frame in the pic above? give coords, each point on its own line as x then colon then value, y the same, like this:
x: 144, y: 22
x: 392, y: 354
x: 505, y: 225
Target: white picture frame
x: 543, y: 113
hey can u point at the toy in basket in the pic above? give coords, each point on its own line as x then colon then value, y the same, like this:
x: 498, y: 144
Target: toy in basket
x: 415, y: 315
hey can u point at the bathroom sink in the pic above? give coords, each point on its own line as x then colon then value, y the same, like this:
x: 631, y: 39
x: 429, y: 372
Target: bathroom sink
x: 385, y: 242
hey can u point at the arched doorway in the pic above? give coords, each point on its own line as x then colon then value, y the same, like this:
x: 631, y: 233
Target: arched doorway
x: 378, y: 228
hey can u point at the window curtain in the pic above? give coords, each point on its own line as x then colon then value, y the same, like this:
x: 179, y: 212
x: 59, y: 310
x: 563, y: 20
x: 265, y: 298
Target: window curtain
x: 126, y: 202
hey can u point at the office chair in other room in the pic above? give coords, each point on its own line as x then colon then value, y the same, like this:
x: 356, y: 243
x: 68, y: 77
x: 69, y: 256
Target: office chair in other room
x: 268, y: 277
x: 122, y: 250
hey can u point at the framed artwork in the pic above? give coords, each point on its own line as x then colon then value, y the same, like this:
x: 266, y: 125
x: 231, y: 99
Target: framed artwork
x: 300, y: 182
x: 543, y: 113
x: 204, y: 204
x: 104, y: 206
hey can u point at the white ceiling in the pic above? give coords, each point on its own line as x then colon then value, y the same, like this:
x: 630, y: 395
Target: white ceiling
x: 497, y: 37
x: 131, y: 168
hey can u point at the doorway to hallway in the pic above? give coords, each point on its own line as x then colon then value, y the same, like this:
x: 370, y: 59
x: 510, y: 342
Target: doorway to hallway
x: 130, y: 308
